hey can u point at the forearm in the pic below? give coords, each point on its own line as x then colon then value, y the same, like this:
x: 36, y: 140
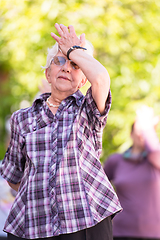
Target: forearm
x: 91, y: 68
x: 145, y: 124
x: 153, y: 147
x: 151, y: 140
x: 96, y: 74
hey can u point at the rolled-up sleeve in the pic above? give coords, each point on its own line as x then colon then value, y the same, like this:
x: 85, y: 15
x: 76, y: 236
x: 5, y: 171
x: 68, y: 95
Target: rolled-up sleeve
x: 96, y: 118
x: 92, y: 122
x: 14, y: 161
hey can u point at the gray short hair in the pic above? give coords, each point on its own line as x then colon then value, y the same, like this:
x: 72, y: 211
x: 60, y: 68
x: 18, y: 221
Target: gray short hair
x: 54, y: 50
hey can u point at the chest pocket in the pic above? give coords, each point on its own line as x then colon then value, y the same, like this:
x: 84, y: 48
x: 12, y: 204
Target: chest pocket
x: 38, y: 146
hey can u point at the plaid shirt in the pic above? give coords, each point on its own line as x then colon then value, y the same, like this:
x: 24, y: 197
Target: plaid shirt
x: 56, y: 158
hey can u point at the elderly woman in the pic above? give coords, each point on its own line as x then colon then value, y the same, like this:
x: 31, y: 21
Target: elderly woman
x: 53, y: 156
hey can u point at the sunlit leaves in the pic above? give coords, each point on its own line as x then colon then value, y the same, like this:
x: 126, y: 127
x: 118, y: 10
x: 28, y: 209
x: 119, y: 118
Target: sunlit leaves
x: 125, y: 35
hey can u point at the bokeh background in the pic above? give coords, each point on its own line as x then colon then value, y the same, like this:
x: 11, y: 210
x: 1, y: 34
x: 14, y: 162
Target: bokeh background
x: 126, y: 38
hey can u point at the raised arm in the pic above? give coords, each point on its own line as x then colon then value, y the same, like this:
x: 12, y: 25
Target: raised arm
x: 146, y: 122
x: 94, y: 71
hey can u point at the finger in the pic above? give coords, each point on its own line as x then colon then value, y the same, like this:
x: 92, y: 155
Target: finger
x: 59, y: 28
x: 63, y: 28
x: 82, y: 37
x: 72, y: 30
x: 55, y: 37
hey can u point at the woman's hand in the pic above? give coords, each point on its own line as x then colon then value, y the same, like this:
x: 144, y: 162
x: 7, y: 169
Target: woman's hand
x: 14, y: 186
x: 145, y: 118
x: 68, y: 37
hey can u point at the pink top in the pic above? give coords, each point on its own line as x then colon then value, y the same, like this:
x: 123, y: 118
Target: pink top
x: 137, y: 183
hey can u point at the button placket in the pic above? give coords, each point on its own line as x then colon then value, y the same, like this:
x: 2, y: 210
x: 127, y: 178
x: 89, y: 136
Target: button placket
x: 52, y: 177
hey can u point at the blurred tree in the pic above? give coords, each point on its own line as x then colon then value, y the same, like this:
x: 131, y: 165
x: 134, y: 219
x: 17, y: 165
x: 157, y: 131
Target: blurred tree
x: 125, y: 35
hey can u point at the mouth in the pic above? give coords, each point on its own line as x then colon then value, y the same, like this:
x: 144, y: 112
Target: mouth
x: 64, y: 78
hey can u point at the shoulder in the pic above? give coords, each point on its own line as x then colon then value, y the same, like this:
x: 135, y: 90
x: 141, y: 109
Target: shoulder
x: 25, y: 113
x: 111, y: 164
x: 115, y: 157
x: 113, y: 160
x: 22, y: 118
x: 21, y: 114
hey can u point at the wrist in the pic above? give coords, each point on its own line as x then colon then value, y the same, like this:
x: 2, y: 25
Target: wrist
x: 74, y: 48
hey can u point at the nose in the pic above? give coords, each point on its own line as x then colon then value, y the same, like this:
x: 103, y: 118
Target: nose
x: 67, y: 66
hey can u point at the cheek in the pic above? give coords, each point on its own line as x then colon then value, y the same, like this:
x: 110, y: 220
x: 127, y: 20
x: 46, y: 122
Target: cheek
x: 76, y: 77
x: 82, y: 75
x: 53, y: 73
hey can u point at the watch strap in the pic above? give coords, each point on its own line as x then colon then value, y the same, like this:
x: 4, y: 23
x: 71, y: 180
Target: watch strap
x: 74, y: 48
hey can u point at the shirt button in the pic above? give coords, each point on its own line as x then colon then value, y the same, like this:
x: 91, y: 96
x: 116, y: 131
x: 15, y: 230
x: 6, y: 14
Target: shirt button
x: 34, y: 128
x: 52, y: 193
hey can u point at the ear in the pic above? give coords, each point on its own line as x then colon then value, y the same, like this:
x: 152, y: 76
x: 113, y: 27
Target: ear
x: 47, y: 74
x: 83, y: 82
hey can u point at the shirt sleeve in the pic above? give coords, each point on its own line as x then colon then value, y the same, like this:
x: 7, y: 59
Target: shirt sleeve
x: 93, y: 113
x: 92, y: 122
x: 13, y: 163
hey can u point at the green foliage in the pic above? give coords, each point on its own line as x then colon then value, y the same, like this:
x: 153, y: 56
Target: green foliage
x: 125, y: 35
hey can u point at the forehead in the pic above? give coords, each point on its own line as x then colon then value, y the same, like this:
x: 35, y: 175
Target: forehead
x: 61, y: 54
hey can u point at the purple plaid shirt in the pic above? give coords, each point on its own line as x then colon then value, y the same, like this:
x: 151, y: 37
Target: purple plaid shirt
x: 56, y: 157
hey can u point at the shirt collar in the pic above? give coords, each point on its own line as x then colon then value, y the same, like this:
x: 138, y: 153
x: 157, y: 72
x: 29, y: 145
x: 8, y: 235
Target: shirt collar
x: 77, y: 96
x: 37, y: 104
x: 134, y: 158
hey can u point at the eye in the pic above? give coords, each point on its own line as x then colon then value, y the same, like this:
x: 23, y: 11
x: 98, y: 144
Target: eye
x: 74, y: 66
x: 57, y: 61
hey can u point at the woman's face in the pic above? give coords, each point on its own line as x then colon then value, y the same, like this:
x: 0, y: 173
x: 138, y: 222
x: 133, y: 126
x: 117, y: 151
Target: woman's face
x: 138, y: 139
x: 65, y: 79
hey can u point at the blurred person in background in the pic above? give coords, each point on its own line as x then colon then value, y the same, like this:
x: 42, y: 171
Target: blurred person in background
x: 135, y: 175
x: 53, y: 157
x: 7, y: 194
x: 44, y: 87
